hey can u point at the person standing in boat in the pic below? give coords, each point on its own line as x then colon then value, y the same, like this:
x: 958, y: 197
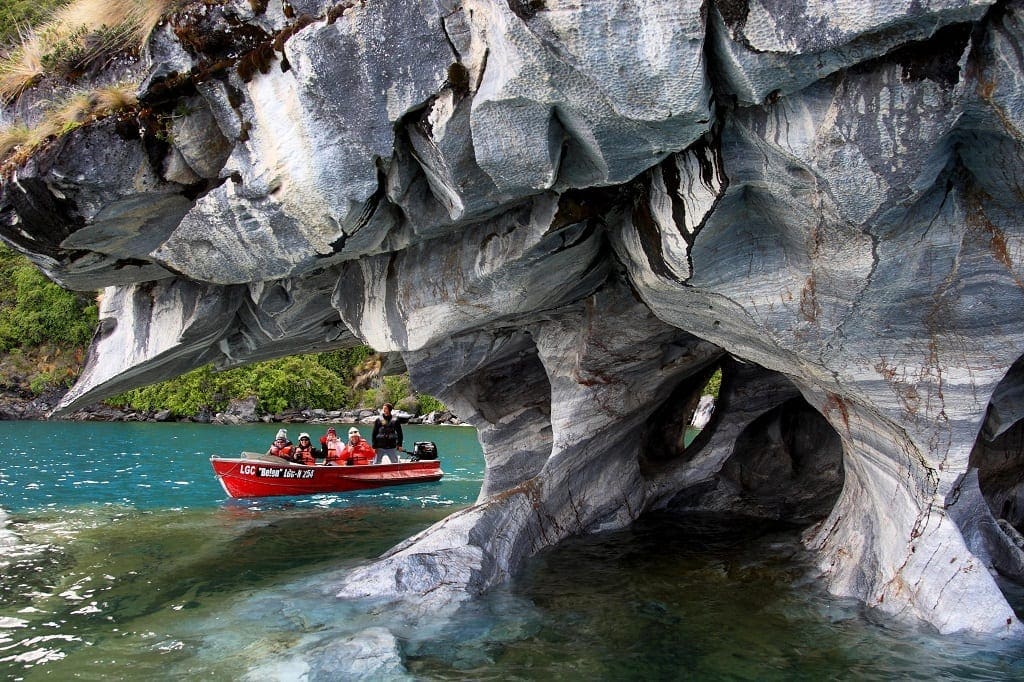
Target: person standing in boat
x: 357, y: 451
x: 281, y: 447
x: 331, y: 446
x: 304, y: 452
x: 387, y: 436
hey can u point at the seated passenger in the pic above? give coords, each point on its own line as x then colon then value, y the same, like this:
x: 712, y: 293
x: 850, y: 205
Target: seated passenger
x: 357, y: 451
x: 281, y: 447
x: 304, y: 452
x: 332, y: 446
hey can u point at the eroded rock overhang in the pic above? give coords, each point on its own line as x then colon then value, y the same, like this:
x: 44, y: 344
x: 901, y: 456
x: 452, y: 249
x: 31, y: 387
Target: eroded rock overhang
x: 562, y: 215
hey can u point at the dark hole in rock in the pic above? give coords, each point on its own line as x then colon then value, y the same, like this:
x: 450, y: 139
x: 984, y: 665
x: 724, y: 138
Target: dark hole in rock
x: 998, y: 452
x: 780, y: 458
x: 681, y: 426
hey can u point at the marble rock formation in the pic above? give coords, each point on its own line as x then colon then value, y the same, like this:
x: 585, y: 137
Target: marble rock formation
x: 565, y: 215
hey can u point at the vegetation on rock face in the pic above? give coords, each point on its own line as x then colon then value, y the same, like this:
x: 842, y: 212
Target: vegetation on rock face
x: 29, y: 372
x: 34, y: 310
x: 293, y: 382
x: 45, y: 329
x: 18, y: 16
x: 64, y: 40
x: 18, y: 141
x: 321, y: 381
x: 60, y: 42
x: 714, y: 385
x: 429, y: 403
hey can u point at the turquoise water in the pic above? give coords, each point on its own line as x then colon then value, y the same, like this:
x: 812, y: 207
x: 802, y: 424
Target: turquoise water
x: 132, y: 564
x: 159, y: 466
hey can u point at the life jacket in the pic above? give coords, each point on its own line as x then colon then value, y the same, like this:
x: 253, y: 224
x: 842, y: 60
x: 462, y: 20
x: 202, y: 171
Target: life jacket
x: 385, y: 433
x: 303, y: 455
x: 333, y: 450
x: 283, y: 451
x: 358, y: 454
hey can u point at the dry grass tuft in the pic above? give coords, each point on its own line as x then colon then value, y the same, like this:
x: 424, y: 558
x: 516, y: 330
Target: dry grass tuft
x: 13, y: 138
x: 149, y: 15
x: 78, y: 36
x: 113, y: 98
x: 19, y: 141
x: 137, y: 18
x: 22, y: 69
x: 73, y: 110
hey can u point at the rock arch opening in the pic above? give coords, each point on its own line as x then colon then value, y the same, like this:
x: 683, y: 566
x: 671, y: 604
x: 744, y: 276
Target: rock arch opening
x: 772, y: 455
x: 683, y: 424
x: 787, y: 465
x: 989, y: 506
x: 505, y: 392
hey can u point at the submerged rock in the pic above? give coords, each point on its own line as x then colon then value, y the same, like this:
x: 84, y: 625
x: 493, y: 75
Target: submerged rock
x: 372, y: 654
x: 563, y: 217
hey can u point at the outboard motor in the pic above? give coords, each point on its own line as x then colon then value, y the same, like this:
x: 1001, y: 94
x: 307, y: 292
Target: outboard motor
x: 424, y: 449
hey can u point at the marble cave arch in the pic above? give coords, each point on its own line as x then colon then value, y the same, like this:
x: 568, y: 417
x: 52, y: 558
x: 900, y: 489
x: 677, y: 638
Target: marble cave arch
x: 559, y: 215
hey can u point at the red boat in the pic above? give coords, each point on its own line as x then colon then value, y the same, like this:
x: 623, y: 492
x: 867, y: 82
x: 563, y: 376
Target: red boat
x: 257, y: 475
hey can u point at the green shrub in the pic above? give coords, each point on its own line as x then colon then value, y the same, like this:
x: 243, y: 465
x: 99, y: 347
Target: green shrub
x: 77, y: 51
x: 370, y: 397
x: 714, y: 384
x: 395, y: 388
x: 184, y: 396
x: 408, y: 404
x: 292, y: 382
x: 429, y: 403
x: 42, y: 381
x: 16, y: 16
x: 343, y: 362
x: 34, y: 310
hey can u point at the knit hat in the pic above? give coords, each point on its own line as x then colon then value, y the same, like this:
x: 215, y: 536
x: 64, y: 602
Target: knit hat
x: 282, y: 433
x: 353, y: 430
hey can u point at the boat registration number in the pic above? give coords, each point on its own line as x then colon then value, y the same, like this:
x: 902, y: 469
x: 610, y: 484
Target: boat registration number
x: 273, y: 472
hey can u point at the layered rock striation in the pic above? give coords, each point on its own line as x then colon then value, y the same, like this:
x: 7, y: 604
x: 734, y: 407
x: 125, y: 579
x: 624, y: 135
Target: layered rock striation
x: 563, y: 216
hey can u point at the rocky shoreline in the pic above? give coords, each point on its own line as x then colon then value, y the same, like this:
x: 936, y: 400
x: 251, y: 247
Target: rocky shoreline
x: 15, y: 405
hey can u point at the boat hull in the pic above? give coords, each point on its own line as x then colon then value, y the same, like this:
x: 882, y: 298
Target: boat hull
x: 244, y: 477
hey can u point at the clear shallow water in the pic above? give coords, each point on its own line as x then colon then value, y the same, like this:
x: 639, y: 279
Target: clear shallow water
x: 132, y: 564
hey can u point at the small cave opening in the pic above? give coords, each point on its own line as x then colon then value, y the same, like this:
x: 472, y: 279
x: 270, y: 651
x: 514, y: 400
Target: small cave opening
x: 998, y: 452
x: 685, y: 421
x: 1000, y: 465
x: 766, y: 453
x: 998, y: 459
x: 786, y: 465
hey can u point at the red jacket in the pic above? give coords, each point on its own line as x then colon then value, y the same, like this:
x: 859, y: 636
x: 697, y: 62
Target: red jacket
x: 360, y: 453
